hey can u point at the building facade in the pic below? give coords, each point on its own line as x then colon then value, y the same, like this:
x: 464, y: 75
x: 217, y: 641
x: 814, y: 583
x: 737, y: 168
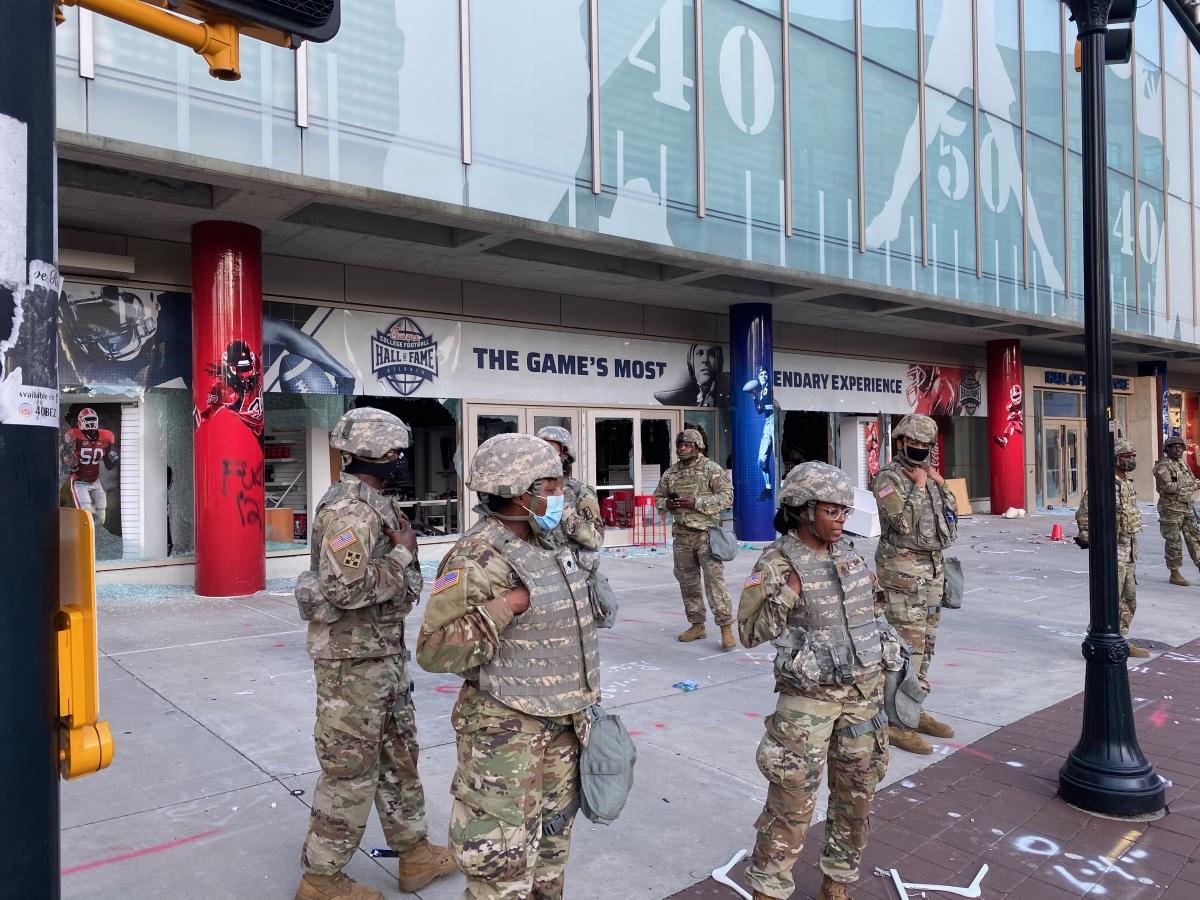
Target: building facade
x: 490, y: 216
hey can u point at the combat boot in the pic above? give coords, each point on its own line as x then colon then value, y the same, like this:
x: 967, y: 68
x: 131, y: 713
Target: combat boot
x: 334, y: 887
x: 728, y: 642
x: 1177, y: 578
x: 931, y: 726
x: 833, y: 890
x: 908, y: 740
x: 1138, y: 652
x: 694, y: 633
x: 422, y: 864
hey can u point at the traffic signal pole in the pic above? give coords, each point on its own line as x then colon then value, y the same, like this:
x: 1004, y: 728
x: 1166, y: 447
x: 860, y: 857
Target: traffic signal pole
x: 29, y: 286
x: 1107, y: 772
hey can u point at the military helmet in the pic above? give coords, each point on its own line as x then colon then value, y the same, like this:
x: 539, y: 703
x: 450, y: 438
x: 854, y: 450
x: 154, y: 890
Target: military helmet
x: 693, y: 435
x: 369, y: 433
x: 816, y: 482
x: 560, y: 436
x: 1122, y: 447
x: 507, y: 464
x: 1175, y: 439
x: 916, y: 427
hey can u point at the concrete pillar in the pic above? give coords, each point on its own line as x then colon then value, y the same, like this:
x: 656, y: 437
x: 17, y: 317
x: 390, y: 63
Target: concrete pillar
x: 754, y: 421
x: 1006, y: 425
x: 1162, y: 416
x: 227, y: 392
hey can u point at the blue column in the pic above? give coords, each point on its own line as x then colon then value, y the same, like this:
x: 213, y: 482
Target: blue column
x: 754, y: 419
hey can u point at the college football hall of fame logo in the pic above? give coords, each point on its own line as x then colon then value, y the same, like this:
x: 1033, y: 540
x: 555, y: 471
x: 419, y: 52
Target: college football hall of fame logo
x: 404, y: 356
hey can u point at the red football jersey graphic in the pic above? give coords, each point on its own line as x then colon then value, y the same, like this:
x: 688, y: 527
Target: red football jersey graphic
x: 89, y: 452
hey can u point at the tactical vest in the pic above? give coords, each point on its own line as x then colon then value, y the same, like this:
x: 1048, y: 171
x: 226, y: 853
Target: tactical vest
x: 691, y: 481
x: 1129, y: 517
x: 548, y: 662
x: 932, y: 531
x: 1181, y: 501
x: 837, y: 612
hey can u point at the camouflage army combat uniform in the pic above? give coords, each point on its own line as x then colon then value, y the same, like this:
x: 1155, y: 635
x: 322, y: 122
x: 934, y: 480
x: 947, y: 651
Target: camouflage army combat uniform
x: 916, y: 526
x: 704, y: 480
x: 356, y: 595
x: 1176, y: 516
x: 1129, y: 523
x: 581, y: 524
x: 521, y: 715
x: 833, y: 646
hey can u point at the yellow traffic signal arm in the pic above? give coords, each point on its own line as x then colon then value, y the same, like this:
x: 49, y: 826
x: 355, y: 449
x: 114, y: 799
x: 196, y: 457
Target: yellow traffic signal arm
x: 85, y: 742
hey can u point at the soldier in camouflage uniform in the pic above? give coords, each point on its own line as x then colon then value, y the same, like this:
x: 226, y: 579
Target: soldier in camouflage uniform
x: 814, y: 597
x: 363, y: 580
x: 696, y: 490
x: 1129, y: 523
x: 1176, y: 516
x: 510, y: 613
x: 581, y: 523
x: 918, y: 520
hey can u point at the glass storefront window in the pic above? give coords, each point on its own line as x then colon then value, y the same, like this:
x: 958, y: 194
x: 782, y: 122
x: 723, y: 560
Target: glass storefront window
x: 614, y: 453
x: 1060, y: 404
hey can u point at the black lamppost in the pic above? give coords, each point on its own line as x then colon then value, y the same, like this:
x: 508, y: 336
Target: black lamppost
x: 1107, y: 771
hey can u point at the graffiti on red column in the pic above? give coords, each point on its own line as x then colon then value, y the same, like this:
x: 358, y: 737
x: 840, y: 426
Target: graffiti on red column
x: 1015, y: 421
x: 248, y: 482
x: 237, y: 386
x: 872, y: 443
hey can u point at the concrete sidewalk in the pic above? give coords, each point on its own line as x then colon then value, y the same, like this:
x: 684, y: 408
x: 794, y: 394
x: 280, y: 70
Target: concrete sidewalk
x: 211, y: 704
x: 994, y: 803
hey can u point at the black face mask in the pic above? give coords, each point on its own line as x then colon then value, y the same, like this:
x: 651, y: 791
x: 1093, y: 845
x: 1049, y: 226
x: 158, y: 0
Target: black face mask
x: 916, y: 454
x: 387, y: 472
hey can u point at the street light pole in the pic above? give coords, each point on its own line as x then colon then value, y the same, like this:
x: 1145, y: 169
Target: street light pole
x: 1107, y: 772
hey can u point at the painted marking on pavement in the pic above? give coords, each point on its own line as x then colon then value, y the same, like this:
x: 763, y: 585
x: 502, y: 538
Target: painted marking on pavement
x: 244, y: 637
x: 145, y: 851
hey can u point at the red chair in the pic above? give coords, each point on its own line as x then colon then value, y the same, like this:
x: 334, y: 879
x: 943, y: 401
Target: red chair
x: 649, y: 522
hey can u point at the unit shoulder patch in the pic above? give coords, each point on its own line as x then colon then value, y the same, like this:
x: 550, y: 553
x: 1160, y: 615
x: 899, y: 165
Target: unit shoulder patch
x: 754, y: 580
x: 446, y: 581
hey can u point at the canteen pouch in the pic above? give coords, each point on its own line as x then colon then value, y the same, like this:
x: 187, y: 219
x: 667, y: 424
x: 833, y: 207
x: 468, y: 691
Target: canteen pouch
x: 312, y: 603
x: 952, y: 592
x: 603, y: 600
x: 605, y: 767
x: 721, y: 544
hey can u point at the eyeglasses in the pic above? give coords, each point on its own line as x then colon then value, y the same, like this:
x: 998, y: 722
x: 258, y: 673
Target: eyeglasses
x: 837, y: 513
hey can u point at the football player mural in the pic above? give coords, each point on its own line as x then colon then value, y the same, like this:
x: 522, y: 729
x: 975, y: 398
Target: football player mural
x: 84, y: 448
x: 1014, y: 416
x: 237, y: 386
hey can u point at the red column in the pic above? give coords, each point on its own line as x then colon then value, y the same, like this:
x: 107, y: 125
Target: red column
x: 1006, y: 425
x: 227, y: 392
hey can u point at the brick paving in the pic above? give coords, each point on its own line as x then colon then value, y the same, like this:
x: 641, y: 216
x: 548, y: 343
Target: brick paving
x: 995, y: 802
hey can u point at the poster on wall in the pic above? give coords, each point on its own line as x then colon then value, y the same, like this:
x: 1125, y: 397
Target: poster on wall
x: 124, y: 339
x: 833, y: 384
x: 90, y: 456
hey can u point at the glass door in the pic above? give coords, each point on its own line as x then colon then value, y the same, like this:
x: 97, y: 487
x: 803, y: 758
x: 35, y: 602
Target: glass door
x: 656, y: 442
x: 564, y: 417
x: 483, y: 422
x: 611, y: 439
x: 1074, y: 478
x: 1053, y: 466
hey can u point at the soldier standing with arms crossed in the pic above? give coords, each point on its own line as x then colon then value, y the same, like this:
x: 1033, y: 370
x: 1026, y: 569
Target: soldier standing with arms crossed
x: 696, y: 490
x: 918, y: 519
x: 1176, y: 516
x: 510, y: 613
x: 363, y: 580
x: 814, y: 596
x: 1129, y: 523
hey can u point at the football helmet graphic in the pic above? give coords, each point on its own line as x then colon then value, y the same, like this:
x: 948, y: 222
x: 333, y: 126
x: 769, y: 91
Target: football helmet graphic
x: 89, y: 420
x: 112, y: 325
x: 241, y: 367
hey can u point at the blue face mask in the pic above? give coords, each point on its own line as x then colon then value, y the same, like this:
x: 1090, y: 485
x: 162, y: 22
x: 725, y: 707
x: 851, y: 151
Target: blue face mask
x: 554, y: 512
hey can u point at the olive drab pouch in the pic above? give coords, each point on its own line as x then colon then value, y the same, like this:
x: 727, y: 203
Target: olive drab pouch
x: 902, y: 694
x: 722, y: 544
x: 603, y: 599
x: 952, y: 593
x: 312, y: 603
x: 605, y: 767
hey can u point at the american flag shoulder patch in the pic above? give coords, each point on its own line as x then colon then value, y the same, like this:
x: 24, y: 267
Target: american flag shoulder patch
x: 887, y: 491
x: 342, y: 540
x: 449, y: 580
x: 754, y: 580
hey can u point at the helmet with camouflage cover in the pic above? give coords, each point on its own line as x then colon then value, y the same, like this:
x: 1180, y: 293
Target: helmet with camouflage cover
x: 816, y: 482
x: 560, y: 436
x: 369, y: 433
x: 916, y: 427
x: 507, y: 464
x: 693, y: 435
x: 1122, y: 447
x: 1175, y: 440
